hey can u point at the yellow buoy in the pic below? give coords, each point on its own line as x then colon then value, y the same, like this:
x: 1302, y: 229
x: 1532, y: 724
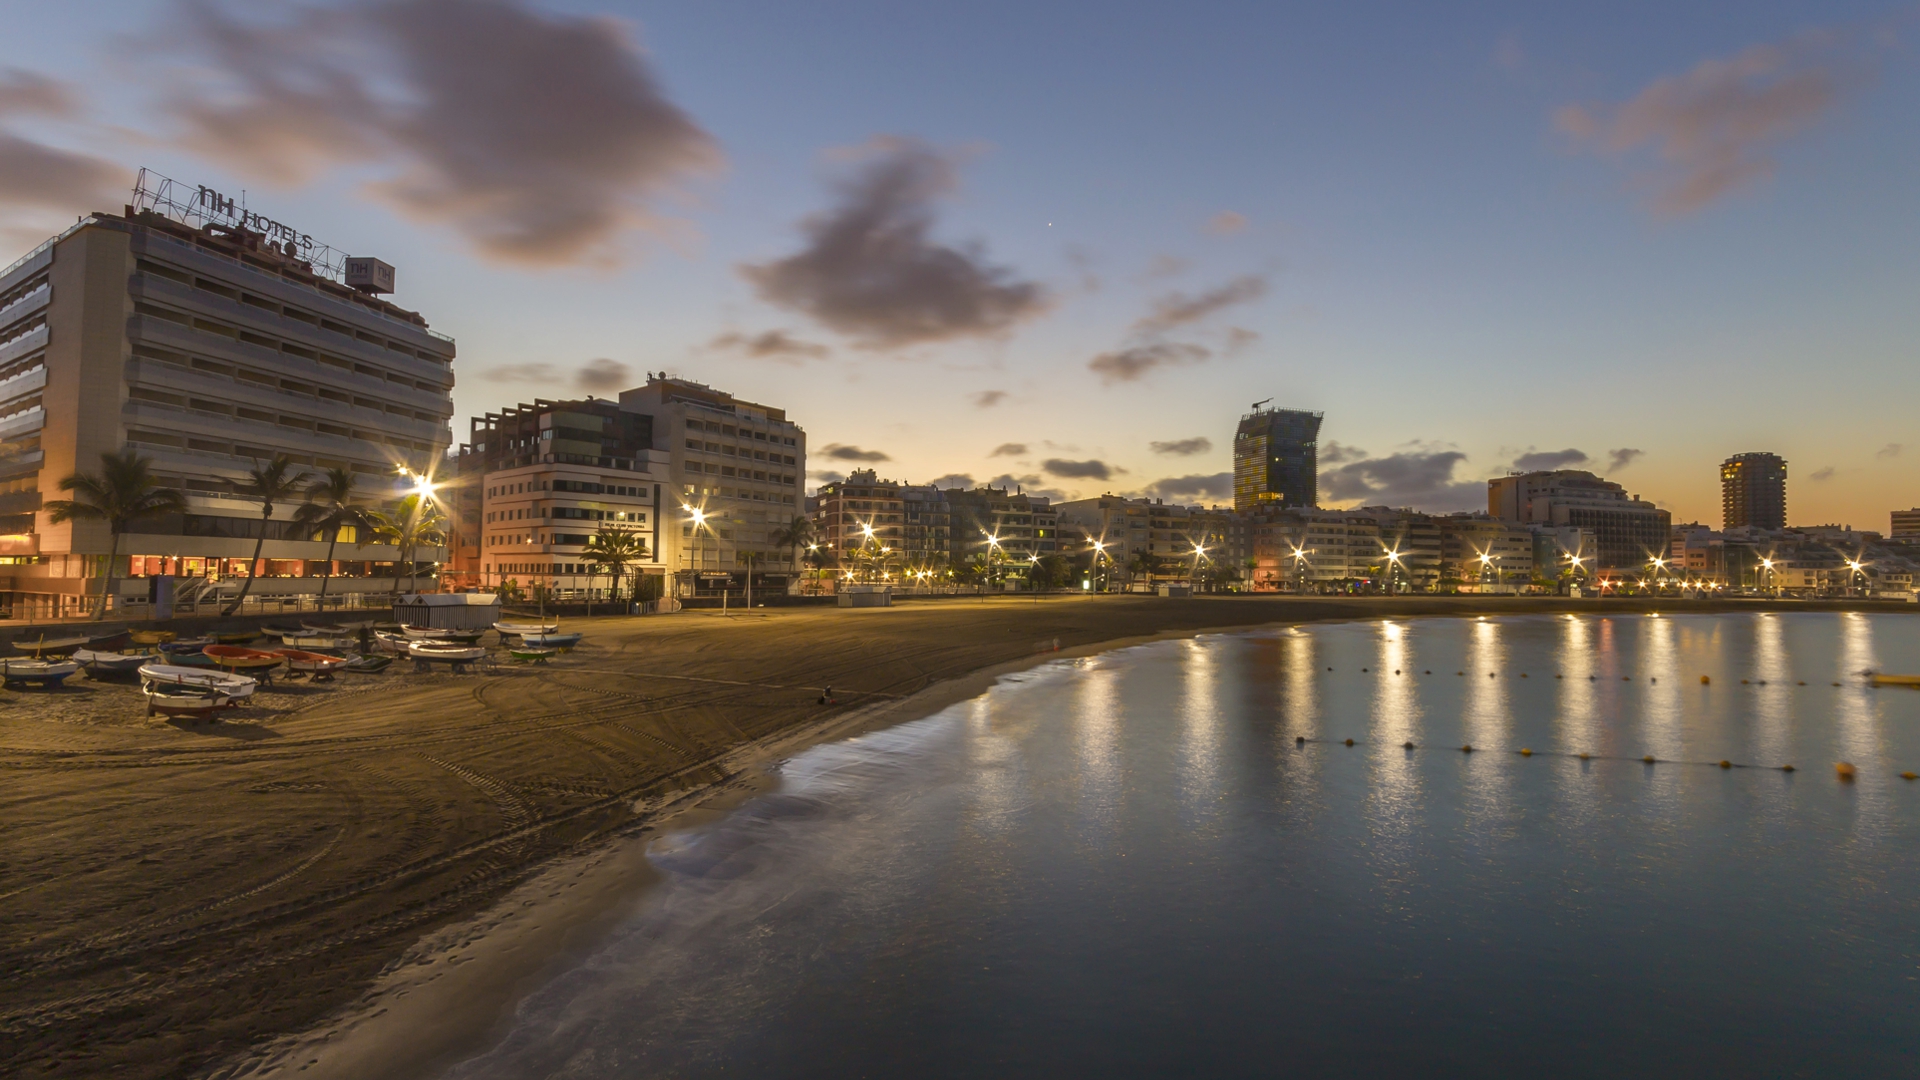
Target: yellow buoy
x: 1349, y: 742
x: 1704, y: 681
x: 1523, y: 674
x: 1786, y: 768
x: 1909, y: 776
x: 1843, y: 769
x: 1524, y: 752
x: 1467, y: 749
x: 1583, y: 756
x: 1648, y: 759
x: 1726, y: 764
x: 1743, y: 682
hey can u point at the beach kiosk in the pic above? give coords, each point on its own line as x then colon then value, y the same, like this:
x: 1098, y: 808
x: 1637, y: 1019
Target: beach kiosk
x: 448, y: 611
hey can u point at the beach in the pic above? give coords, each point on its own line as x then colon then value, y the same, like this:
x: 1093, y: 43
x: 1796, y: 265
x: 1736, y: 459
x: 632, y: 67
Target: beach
x: 360, y: 879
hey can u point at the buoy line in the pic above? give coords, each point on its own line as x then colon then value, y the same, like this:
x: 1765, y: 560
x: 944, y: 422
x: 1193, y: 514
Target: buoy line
x: 1845, y: 770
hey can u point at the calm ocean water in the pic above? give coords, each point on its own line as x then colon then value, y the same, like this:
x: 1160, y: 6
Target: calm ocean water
x: 1127, y: 866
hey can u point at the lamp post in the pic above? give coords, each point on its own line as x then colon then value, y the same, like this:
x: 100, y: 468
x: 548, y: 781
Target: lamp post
x: 1858, y: 569
x: 1100, y: 552
x: 1299, y: 571
x: 1486, y: 568
x: 993, y: 557
x: 1766, y: 563
x: 1393, y: 565
x: 1574, y: 559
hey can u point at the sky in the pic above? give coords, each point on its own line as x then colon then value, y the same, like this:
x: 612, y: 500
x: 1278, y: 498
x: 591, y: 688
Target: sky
x: 1067, y: 245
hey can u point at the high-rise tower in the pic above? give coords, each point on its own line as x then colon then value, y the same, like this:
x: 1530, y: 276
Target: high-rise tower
x: 1753, y: 491
x: 1276, y: 459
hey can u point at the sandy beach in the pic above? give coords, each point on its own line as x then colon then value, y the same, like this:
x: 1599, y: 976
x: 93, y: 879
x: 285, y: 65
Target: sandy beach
x: 359, y: 879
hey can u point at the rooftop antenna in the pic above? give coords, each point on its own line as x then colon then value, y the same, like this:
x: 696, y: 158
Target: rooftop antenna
x: 1257, y: 404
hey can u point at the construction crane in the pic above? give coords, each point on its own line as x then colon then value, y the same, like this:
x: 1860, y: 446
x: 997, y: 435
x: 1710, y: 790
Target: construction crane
x: 1257, y: 404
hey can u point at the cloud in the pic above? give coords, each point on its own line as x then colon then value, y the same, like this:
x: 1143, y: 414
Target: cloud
x: 46, y: 177
x: 1713, y: 127
x: 1239, y: 340
x: 540, y: 138
x: 529, y: 372
x: 870, y: 269
x: 1009, y: 449
x: 1167, y: 266
x: 770, y: 345
x: 1199, y: 444
x: 1891, y: 450
x: 1334, y: 453
x: 952, y: 480
x: 841, y: 452
x: 1421, y: 479
x: 600, y: 376
x: 825, y: 476
x: 1623, y: 457
x: 1079, y: 470
x: 1819, y: 475
x: 1549, y: 460
x: 1508, y: 53
x: 1179, y: 309
x: 1127, y: 365
x: 24, y: 91
x: 1180, y: 488
x: 987, y: 399
x: 1226, y: 223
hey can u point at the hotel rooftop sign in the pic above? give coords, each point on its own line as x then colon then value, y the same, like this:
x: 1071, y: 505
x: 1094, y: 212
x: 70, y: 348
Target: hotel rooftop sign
x: 200, y: 206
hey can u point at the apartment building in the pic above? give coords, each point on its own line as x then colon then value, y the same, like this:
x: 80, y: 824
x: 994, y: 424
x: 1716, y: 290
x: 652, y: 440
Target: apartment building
x: 1179, y: 538
x: 1301, y: 549
x: 999, y: 526
x: 1481, y: 551
x: 867, y: 524
x: 185, y: 330
x: 1627, y: 531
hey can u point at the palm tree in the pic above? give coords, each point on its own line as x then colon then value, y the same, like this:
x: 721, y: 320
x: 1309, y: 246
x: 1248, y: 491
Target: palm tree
x: 1144, y: 564
x: 795, y: 535
x: 124, y: 492
x: 613, y: 547
x: 270, y: 483
x: 329, y: 509
x: 415, y: 522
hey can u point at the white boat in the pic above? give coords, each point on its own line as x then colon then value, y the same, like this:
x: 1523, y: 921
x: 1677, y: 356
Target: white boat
x: 234, y: 687
x: 446, y: 652
x: 168, y: 700
x: 514, y: 629
x: 316, y: 641
x: 551, y: 640
x: 427, y: 633
x: 390, y: 643
x: 44, y: 672
x: 105, y: 665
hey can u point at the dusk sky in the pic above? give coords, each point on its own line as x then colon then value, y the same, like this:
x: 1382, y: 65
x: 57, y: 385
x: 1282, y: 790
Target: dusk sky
x: 1070, y: 244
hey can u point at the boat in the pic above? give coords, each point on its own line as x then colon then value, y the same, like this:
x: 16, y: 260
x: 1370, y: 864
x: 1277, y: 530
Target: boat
x: 168, y: 700
x: 47, y: 673
x: 531, y: 654
x: 339, y: 629
x: 509, y: 629
x: 440, y: 633
x: 235, y: 658
x: 390, y: 643
x: 552, y: 641
x: 368, y: 664
x: 191, y: 660
x: 317, y: 641
x: 113, y: 642
x: 281, y: 629
x: 318, y: 665
x: 151, y: 638
x: 184, y: 646
x: 46, y: 646
x: 453, y: 651
x: 1883, y: 679
x: 235, y: 637
x: 100, y: 664
x: 234, y: 687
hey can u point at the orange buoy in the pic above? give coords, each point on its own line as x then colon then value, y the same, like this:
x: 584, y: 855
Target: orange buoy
x: 1803, y: 682
x: 1909, y: 776
x: 1726, y: 764
x: 1524, y: 752
x: 1584, y: 755
x: 1743, y: 682
x: 1786, y: 768
x: 1467, y: 749
x: 1648, y: 759
x: 1523, y: 674
x: 1349, y: 742
x: 1704, y: 681
x: 1843, y: 769
x: 1559, y: 676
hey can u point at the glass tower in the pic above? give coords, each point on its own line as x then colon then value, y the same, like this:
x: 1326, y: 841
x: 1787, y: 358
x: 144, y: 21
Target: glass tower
x: 1276, y: 459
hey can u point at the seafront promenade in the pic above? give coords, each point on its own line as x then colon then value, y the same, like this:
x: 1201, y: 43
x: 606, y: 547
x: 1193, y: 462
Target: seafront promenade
x: 174, y: 895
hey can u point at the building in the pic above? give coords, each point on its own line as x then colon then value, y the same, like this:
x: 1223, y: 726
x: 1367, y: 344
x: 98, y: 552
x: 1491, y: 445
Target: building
x: 735, y: 473
x: 209, y: 339
x: 535, y: 482
x: 882, y: 529
x: 1303, y: 549
x: 1753, y: 492
x: 994, y: 527
x: 1905, y: 525
x: 1483, y: 551
x: 1177, y: 538
x: 1276, y: 459
x: 1411, y: 546
x: 1627, y: 531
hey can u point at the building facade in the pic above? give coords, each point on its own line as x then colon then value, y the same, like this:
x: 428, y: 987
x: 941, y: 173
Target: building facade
x: 1627, y: 531
x: 1905, y: 525
x: 208, y: 348
x: 1753, y: 491
x: 1276, y: 459
x: 999, y: 530
x: 1179, y: 540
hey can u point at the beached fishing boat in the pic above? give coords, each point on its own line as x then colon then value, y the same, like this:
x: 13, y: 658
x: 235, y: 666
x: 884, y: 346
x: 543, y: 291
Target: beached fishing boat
x: 235, y: 637
x: 509, y: 629
x: 44, y: 646
x: 282, y: 629
x: 446, y: 651
x: 437, y: 633
x: 184, y: 646
x: 150, y: 638
x: 390, y: 643
x: 318, y: 641
x: 234, y: 687
x: 551, y: 641
x: 529, y: 654
x: 170, y: 700
x: 368, y: 664
x: 45, y: 673
x: 110, y: 642
x: 109, y: 665
x: 235, y: 658
x: 318, y: 665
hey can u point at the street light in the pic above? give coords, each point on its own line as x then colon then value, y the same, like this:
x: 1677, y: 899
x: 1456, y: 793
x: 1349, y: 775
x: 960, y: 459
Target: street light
x: 1299, y: 570
x: 1393, y: 564
x: 1099, y: 552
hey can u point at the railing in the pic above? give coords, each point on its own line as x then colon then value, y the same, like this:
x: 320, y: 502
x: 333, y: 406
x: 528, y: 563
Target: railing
x: 29, y: 256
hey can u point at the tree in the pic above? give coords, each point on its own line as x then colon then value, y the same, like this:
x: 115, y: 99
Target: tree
x: 1051, y: 571
x: 270, y: 483
x: 793, y: 536
x: 612, y: 548
x: 329, y: 509
x: 124, y: 492
x: 1144, y: 563
x: 414, y: 522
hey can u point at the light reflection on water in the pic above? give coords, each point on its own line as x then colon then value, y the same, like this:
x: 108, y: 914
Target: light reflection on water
x: 1125, y: 865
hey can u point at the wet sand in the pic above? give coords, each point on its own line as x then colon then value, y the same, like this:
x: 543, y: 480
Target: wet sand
x: 361, y: 879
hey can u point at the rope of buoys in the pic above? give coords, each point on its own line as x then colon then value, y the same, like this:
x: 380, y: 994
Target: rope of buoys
x: 1843, y: 769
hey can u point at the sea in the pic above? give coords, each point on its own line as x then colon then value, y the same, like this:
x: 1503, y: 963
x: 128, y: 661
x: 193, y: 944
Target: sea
x: 1556, y: 846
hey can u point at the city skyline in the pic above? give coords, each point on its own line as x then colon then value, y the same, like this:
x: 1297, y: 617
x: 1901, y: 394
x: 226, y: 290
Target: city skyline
x: 1530, y: 260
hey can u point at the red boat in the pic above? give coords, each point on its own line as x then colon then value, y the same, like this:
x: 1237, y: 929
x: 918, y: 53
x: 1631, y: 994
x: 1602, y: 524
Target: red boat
x: 319, y: 665
x: 236, y: 658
